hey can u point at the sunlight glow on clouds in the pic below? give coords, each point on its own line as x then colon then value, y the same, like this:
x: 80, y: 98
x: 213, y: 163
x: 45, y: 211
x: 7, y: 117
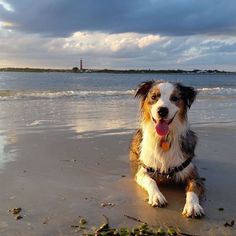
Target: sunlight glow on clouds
x: 86, y: 41
x: 5, y: 24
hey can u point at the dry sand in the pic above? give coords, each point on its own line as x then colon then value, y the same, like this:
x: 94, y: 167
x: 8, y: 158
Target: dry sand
x: 55, y: 176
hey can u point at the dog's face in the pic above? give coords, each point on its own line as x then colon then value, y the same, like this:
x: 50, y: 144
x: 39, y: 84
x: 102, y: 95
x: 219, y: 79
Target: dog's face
x: 164, y: 101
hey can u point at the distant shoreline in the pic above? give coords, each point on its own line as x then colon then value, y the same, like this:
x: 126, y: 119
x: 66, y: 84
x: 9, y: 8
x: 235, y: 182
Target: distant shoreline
x: 131, y: 71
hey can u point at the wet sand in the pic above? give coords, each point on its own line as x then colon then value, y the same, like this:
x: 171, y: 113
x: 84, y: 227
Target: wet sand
x: 56, y: 175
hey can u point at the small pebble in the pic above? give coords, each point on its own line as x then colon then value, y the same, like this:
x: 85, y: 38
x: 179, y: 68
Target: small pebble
x: 82, y: 221
x: 107, y: 204
x: 45, y: 221
x: 18, y: 217
x: 15, y: 210
x: 231, y: 224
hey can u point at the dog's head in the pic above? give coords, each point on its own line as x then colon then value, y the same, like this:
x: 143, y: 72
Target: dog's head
x: 163, y: 102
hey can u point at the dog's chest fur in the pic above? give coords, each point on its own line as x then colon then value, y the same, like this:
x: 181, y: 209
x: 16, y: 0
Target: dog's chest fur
x: 152, y: 155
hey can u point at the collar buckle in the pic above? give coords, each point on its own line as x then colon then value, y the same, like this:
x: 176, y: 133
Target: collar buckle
x: 170, y: 173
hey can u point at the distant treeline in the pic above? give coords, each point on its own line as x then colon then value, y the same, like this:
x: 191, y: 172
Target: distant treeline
x: 76, y: 70
x: 10, y: 69
x: 178, y: 71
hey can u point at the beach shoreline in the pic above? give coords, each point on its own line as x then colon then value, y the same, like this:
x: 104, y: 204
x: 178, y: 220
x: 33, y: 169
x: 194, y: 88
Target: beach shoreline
x: 56, y: 175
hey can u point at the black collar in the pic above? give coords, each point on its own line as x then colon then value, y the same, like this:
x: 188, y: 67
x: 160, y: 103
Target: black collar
x: 170, y: 173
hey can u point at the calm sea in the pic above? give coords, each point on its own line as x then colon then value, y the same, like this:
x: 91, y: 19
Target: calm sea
x: 102, y: 102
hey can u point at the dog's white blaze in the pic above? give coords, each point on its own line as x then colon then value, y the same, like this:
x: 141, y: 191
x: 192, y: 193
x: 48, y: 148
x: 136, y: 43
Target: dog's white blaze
x: 166, y: 89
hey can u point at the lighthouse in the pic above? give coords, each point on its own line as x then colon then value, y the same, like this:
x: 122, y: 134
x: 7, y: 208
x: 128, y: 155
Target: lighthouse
x: 81, y: 64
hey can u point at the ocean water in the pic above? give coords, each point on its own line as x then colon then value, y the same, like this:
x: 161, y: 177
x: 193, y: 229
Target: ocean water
x: 89, y: 103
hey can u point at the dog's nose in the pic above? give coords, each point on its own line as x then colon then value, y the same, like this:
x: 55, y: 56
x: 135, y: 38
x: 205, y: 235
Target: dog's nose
x: 163, y: 112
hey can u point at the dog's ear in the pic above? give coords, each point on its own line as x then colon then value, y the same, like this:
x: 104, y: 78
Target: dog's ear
x: 143, y: 89
x: 188, y: 94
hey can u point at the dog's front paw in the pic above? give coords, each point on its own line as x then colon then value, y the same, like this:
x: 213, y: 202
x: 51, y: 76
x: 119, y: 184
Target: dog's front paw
x: 156, y: 199
x: 192, y: 207
x: 193, y: 210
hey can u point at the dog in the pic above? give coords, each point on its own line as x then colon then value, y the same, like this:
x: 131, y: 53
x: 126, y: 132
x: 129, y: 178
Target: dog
x: 163, y: 147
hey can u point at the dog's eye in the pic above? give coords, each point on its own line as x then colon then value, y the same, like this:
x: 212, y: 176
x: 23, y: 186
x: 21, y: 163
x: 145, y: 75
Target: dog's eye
x: 174, y: 99
x: 155, y: 97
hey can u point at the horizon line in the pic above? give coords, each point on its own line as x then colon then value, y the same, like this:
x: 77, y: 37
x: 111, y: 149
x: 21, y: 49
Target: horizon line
x: 109, y: 69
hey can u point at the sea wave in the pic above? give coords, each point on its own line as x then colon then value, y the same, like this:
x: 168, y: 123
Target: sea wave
x: 8, y: 94
x: 16, y: 95
x: 217, y: 91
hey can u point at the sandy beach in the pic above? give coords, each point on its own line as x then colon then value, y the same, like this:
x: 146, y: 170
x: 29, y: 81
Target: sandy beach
x: 56, y: 175
x: 64, y: 145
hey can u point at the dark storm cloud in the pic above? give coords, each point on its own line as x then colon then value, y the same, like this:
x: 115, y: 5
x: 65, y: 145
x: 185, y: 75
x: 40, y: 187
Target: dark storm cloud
x: 166, y: 17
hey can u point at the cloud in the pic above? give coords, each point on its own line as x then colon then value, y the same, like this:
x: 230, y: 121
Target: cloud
x: 120, y: 51
x: 156, y: 34
x: 6, y: 6
x: 102, y: 42
x: 80, y: 44
x: 163, y: 17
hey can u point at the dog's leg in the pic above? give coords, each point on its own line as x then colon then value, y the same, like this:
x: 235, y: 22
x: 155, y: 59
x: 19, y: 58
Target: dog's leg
x: 155, y: 197
x: 194, y: 190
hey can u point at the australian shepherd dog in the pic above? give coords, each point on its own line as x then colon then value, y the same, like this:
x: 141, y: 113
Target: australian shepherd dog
x: 164, y: 145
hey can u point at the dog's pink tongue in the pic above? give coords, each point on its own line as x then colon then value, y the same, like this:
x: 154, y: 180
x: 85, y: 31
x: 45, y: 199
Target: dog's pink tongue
x: 162, y: 128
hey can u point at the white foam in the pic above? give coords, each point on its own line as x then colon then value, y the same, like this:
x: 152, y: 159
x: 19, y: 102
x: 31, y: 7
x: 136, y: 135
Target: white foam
x: 58, y: 94
x: 37, y: 122
x: 217, y: 91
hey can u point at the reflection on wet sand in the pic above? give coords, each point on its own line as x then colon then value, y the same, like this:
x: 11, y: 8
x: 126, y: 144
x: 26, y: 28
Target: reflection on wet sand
x: 7, y: 151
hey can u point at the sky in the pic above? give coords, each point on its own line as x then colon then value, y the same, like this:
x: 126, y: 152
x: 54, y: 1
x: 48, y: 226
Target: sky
x: 118, y: 34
